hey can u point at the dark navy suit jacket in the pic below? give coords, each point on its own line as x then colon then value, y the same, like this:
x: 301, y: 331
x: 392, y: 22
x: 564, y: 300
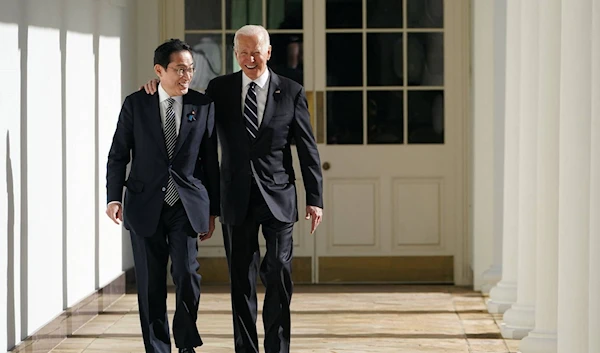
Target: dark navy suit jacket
x: 285, y: 118
x: 194, y: 166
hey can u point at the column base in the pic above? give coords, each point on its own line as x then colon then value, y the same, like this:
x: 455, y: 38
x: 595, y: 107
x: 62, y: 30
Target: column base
x: 519, y: 320
x: 502, y: 297
x: 491, y: 277
x: 539, y: 342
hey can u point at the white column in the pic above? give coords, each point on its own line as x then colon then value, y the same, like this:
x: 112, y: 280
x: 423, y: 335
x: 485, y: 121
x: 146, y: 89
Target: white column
x: 543, y: 338
x: 520, y: 318
x: 483, y: 133
x: 594, y: 267
x: 494, y: 274
x: 574, y: 177
x: 504, y: 294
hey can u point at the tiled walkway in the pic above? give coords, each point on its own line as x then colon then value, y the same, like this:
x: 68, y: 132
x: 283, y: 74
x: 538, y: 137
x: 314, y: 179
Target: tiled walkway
x: 326, y: 319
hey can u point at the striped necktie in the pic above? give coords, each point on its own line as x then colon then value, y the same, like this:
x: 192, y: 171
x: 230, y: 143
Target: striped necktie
x: 171, y: 196
x: 251, y: 111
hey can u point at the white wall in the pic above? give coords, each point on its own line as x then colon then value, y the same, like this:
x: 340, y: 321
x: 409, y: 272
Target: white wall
x: 66, y: 66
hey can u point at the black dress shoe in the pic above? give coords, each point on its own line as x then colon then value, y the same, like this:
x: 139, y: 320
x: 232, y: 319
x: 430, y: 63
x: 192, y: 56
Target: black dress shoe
x: 187, y: 350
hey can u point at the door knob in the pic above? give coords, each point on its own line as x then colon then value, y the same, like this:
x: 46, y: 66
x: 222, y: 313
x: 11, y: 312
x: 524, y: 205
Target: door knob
x: 326, y: 166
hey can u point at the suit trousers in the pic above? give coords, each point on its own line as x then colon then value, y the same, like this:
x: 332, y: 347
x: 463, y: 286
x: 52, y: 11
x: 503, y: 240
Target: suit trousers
x: 243, y: 255
x: 174, y: 237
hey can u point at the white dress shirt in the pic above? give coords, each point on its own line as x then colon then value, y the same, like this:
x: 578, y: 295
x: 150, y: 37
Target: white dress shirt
x: 261, y: 89
x: 177, y: 107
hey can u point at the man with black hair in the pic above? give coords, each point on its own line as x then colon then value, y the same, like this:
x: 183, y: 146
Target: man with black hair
x: 172, y: 193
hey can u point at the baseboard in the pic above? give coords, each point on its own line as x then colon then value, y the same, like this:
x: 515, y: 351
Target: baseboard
x: 70, y: 320
x: 387, y: 269
x: 214, y: 270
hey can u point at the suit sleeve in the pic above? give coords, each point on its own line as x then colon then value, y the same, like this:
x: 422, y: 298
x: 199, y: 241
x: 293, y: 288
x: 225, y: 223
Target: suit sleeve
x: 210, y: 163
x: 119, y: 154
x: 308, y: 154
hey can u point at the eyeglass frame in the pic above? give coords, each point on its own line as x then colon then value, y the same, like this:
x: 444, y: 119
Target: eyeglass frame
x: 183, y: 70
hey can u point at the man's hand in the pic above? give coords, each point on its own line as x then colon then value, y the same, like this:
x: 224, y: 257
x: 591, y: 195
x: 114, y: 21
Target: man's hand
x: 115, y: 212
x: 211, y: 229
x: 316, y: 213
x: 151, y: 86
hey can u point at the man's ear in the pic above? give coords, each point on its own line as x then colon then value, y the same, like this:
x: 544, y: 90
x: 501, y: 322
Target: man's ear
x: 159, y: 70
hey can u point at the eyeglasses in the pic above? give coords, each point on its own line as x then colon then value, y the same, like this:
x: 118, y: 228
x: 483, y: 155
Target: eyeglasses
x: 184, y: 70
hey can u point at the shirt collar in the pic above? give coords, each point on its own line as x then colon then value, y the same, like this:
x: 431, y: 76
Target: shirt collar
x: 163, y: 95
x: 261, y: 81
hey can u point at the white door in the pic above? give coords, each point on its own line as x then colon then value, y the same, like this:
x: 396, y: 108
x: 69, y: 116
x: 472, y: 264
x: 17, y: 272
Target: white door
x: 387, y: 85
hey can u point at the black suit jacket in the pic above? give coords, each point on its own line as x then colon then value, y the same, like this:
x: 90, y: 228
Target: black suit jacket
x: 286, y: 117
x: 194, y: 166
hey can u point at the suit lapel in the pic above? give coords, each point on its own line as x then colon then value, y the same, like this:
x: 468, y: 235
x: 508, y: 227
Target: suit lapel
x: 236, y: 98
x: 236, y: 103
x: 271, y: 104
x: 156, y: 125
x: 186, y: 125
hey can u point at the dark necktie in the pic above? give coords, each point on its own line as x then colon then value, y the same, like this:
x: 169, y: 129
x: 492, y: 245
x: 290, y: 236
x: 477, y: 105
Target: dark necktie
x: 171, y: 196
x: 251, y: 111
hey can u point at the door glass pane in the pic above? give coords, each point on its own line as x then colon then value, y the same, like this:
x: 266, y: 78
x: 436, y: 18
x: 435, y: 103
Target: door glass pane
x: 202, y: 14
x: 206, y: 50
x: 284, y: 14
x: 344, y: 118
x: 343, y: 14
x: 242, y: 12
x: 426, y: 117
x: 384, y: 59
x: 426, y: 59
x: 425, y: 13
x: 344, y: 59
x: 231, y: 64
x: 384, y: 13
x: 286, y: 56
x: 385, y: 116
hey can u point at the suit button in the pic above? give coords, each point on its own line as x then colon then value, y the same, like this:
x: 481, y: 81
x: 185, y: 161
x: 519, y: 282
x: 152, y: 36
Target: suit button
x: 164, y: 189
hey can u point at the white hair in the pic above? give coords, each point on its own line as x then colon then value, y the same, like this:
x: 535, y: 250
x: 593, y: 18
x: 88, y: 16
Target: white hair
x: 253, y: 31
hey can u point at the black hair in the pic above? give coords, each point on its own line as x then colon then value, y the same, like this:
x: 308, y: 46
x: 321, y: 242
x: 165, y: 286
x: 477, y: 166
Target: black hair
x: 162, y: 54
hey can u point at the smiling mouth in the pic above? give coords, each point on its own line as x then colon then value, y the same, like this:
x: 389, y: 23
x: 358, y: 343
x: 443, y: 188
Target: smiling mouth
x: 251, y: 67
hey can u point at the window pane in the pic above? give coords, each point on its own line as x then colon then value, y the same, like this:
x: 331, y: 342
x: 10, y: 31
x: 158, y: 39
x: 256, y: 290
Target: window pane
x: 243, y: 12
x: 384, y: 59
x: 426, y: 59
x: 206, y: 50
x: 344, y: 118
x: 284, y: 14
x: 344, y: 59
x: 384, y: 13
x: 426, y: 117
x: 286, y: 56
x: 202, y: 14
x: 344, y: 14
x: 385, y: 116
x: 425, y: 13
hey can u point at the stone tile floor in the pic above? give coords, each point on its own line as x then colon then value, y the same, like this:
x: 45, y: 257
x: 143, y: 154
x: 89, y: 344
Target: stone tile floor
x: 326, y: 319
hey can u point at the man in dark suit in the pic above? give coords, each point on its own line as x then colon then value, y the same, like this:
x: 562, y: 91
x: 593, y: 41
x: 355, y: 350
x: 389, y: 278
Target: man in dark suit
x: 172, y: 193
x: 258, y: 113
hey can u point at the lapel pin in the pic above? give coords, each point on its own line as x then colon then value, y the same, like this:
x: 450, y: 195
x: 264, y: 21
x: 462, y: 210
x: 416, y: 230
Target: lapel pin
x: 192, y: 116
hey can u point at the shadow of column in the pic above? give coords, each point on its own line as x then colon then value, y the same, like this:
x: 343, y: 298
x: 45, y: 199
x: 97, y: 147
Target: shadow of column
x: 10, y: 239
